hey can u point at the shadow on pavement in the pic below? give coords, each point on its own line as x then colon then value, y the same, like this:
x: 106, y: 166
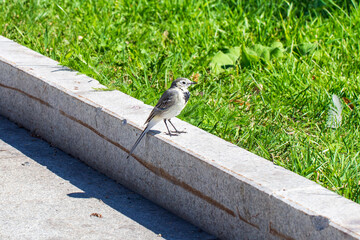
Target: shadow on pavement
x: 96, y: 185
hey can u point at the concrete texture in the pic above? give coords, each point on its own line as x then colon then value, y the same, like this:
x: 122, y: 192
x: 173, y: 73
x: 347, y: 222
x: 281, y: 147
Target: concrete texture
x: 216, y: 185
x: 47, y: 194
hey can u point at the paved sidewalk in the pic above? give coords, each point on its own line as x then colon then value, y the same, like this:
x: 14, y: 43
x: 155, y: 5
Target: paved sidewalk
x: 47, y: 194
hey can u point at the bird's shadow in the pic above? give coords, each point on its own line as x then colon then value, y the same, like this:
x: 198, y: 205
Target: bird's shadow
x: 61, y: 68
x: 96, y: 185
x: 173, y: 133
x: 154, y: 132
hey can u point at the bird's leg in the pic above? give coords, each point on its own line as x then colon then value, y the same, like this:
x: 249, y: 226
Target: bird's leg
x: 168, y: 128
x: 175, y: 127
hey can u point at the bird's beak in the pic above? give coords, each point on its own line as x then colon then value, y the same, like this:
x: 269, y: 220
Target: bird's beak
x: 192, y: 83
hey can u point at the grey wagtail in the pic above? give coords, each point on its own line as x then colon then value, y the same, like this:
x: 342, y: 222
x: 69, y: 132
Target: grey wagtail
x: 171, y: 103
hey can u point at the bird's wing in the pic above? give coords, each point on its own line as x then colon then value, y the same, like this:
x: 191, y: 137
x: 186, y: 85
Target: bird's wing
x: 166, y: 100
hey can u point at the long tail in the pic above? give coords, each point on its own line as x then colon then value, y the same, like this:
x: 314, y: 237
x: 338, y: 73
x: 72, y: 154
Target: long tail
x: 148, y: 127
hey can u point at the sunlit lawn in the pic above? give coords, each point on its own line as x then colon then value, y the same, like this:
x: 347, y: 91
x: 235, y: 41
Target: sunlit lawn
x: 276, y: 107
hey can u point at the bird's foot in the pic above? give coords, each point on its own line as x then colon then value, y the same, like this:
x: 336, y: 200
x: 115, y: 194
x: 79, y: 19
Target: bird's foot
x: 178, y: 132
x: 171, y: 134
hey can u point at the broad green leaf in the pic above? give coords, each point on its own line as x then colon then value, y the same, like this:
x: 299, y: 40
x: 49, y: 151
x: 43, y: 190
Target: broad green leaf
x: 234, y: 53
x: 278, y: 45
x: 266, y: 54
x: 276, y: 53
x: 304, y: 48
x: 223, y: 60
x: 262, y: 52
x: 248, y: 56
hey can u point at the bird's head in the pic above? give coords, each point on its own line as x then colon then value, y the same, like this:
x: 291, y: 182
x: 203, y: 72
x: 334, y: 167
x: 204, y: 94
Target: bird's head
x: 182, y: 83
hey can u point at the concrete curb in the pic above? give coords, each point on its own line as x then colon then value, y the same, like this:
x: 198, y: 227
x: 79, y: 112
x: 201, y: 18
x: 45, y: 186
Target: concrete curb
x: 217, y: 186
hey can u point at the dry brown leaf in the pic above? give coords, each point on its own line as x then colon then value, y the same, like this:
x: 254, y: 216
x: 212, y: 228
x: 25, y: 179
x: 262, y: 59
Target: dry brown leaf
x: 195, y: 77
x: 96, y: 215
x: 165, y: 34
x: 348, y: 103
x: 257, y: 89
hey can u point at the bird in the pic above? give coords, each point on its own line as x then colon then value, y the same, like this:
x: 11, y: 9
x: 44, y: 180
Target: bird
x: 170, y: 104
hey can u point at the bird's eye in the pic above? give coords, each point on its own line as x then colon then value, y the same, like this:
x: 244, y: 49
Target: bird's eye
x: 183, y: 82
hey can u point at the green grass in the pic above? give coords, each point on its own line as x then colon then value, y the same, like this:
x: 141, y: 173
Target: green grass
x: 276, y: 109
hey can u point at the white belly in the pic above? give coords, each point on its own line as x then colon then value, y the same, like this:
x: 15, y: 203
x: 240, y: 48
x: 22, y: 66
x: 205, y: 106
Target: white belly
x: 175, y: 109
